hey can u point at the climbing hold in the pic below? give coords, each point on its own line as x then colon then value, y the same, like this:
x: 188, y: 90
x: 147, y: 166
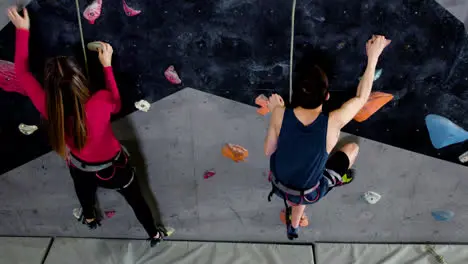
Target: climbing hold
x: 27, y: 130
x: 209, y: 174
x: 169, y: 231
x: 93, y: 11
x: 377, y: 74
x: 172, y: 76
x: 235, y: 152
x: 463, y: 157
x: 376, y: 101
x: 94, y: 46
x: 142, y: 105
x: 340, y: 45
x: 444, y: 132
x: 443, y: 216
x: 262, y: 101
x: 8, y: 81
x: 110, y: 213
x: 371, y: 197
x: 78, y: 213
x: 128, y: 10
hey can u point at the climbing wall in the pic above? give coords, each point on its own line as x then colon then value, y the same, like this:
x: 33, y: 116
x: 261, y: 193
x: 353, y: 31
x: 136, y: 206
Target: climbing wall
x: 239, y: 49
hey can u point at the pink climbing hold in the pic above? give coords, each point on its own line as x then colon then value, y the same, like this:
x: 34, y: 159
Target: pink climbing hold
x: 128, y: 10
x: 8, y: 81
x: 109, y: 214
x: 208, y: 174
x: 93, y: 11
x: 172, y: 76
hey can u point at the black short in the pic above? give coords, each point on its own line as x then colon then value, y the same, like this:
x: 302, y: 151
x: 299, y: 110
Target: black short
x: 338, y: 162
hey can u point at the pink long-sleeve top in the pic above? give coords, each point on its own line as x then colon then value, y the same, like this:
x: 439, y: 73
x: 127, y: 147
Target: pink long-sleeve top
x: 101, y: 144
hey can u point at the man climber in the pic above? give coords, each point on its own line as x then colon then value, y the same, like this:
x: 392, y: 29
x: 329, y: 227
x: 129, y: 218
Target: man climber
x: 300, y: 138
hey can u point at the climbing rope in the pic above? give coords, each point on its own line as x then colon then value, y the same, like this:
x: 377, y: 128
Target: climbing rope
x: 291, y: 53
x: 78, y: 13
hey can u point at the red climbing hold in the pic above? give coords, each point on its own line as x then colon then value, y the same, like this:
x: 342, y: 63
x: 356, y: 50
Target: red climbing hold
x: 376, y: 101
x: 172, y: 76
x: 128, y: 10
x: 208, y: 174
x: 109, y: 214
x: 8, y: 81
x: 93, y: 11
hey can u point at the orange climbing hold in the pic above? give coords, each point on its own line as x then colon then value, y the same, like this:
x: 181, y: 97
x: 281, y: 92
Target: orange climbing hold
x: 304, y: 222
x: 235, y: 152
x: 262, y: 101
x: 376, y: 101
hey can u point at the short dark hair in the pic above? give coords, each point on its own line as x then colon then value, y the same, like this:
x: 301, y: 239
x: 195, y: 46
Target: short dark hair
x: 310, y: 88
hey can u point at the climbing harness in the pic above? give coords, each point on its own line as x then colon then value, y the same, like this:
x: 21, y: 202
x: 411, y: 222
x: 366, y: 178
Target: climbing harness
x: 291, y: 51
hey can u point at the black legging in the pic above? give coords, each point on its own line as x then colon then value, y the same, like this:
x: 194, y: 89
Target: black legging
x: 86, y: 184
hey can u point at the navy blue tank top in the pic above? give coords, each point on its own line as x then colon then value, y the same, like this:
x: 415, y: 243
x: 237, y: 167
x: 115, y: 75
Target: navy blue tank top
x: 301, y: 153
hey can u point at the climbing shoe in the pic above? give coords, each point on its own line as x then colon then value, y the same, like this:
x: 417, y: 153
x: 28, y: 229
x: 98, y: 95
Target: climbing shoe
x: 348, y: 177
x: 292, y: 232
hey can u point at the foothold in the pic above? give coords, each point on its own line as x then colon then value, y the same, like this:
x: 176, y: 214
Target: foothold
x: 377, y: 75
x: 235, y: 152
x: 209, y: 174
x: 78, y: 213
x: 439, y: 258
x: 443, y: 216
x: 8, y: 81
x: 93, y: 11
x: 376, y: 101
x: 27, y: 130
x: 172, y: 76
x: 444, y: 132
x: 319, y: 18
x: 110, y: 213
x: 143, y: 105
x: 169, y: 231
x: 371, y: 197
x: 130, y: 11
x: 262, y: 101
x: 340, y: 45
x: 94, y: 46
x: 463, y: 157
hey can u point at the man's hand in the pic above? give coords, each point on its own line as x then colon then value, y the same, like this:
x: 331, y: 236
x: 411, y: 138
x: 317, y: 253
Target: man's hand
x: 105, y: 54
x: 17, y: 20
x: 375, y: 47
x: 275, y: 101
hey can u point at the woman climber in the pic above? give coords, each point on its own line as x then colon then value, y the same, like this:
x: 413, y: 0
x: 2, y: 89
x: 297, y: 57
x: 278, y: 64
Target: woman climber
x: 79, y: 127
x: 300, y: 138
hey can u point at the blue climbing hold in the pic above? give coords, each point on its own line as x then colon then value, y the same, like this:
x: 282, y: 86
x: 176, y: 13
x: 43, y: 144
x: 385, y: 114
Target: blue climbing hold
x: 444, y: 132
x: 443, y: 216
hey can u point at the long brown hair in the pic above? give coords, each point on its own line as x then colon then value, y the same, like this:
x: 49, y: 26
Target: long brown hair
x: 66, y: 90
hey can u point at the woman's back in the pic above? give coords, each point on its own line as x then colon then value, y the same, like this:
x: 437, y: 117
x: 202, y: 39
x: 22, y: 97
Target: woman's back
x: 301, y: 153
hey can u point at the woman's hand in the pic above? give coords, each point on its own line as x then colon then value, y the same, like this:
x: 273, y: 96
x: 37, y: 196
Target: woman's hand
x: 375, y: 46
x: 275, y: 101
x: 17, y: 19
x: 105, y: 54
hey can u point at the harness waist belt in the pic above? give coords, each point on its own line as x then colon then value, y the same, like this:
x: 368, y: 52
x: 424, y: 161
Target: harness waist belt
x: 93, y: 168
x: 287, y: 190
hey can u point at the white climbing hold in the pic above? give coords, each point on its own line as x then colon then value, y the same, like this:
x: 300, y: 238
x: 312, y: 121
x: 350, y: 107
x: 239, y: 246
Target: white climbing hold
x: 372, y: 197
x: 377, y: 74
x: 142, y: 105
x: 77, y: 212
x: 27, y: 130
x: 463, y: 157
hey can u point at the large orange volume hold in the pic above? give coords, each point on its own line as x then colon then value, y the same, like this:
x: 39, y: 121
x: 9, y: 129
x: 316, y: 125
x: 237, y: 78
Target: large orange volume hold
x: 376, y: 101
x: 235, y: 152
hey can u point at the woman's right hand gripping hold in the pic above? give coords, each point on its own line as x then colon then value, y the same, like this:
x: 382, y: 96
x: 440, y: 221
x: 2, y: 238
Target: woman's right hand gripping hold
x: 17, y: 20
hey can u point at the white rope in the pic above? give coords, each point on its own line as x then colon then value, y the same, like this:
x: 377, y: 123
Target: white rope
x: 78, y: 13
x: 291, y: 53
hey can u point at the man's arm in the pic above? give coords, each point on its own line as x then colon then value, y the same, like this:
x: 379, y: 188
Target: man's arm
x: 276, y: 106
x: 346, y: 113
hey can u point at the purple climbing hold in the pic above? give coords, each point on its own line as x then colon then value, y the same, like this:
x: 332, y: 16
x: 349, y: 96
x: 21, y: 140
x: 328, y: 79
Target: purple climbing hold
x: 443, y: 216
x: 444, y: 132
